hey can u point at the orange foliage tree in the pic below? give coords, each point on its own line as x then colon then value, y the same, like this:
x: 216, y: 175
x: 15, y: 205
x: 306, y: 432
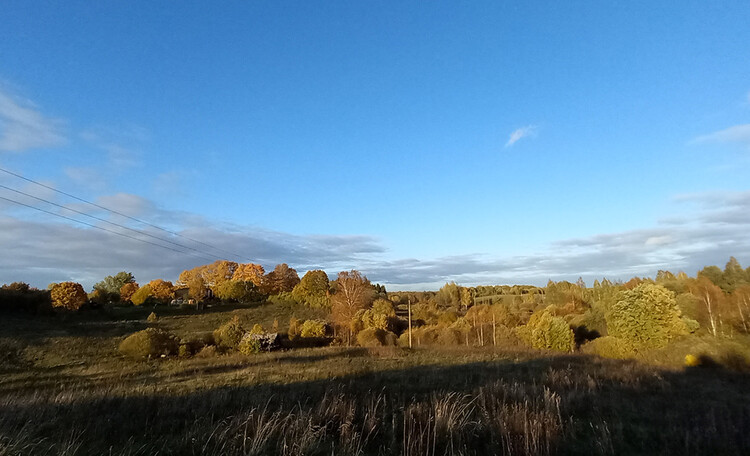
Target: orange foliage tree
x: 127, y: 290
x: 281, y: 279
x: 68, y: 295
x: 249, y: 272
x: 161, y: 289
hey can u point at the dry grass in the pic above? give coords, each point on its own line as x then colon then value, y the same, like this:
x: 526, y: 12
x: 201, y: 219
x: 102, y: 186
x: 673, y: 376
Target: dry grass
x: 64, y: 390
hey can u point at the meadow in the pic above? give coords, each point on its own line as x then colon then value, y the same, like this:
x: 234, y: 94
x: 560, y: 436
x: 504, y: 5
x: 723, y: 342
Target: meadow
x: 65, y: 390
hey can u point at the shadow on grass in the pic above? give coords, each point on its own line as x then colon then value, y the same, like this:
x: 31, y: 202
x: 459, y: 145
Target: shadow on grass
x: 605, y: 406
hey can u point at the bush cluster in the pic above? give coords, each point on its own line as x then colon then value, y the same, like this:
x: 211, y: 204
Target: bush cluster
x: 313, y: 328
x: 547, y: 332
x: 376, y: 337
x: 149, y: 343
x: 229, y: 334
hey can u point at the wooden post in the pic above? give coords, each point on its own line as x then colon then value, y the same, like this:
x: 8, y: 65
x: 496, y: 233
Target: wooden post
x: 409, y: 322
x: 494, y: 332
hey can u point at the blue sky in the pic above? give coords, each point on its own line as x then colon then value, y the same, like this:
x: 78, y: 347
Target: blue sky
x: 489, y: 142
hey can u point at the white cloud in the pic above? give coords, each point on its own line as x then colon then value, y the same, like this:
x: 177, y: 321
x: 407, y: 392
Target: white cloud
x: 23, y: 127
x: 736, y: 134
x: 517, y: 135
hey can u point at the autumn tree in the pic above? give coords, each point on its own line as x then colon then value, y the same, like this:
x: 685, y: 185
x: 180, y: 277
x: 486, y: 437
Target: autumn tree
x: 313, y: 290
x: 68, y: 295
x: 217, y: 272
x: 711, y: 301
x: 353, y: 292
x: 281, y: 279
x: 127, y: 290
x: 161, y: 290
x: 741, y: 300
x: 449, y: 295
x: 141, y: 296
x: 249, y: 272
x: 381, y: 315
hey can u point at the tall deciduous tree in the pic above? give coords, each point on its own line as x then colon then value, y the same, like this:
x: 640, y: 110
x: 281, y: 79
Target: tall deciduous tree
x: 249, y: 272
x: 281, y: 279
x: 353, y: 292
x: 711, y: 300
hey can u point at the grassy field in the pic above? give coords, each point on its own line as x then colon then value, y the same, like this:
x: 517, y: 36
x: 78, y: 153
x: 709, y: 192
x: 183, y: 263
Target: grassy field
x: 64, y: 389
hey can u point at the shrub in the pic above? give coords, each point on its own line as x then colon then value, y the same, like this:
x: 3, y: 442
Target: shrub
x: 257, y: 329
x: 149, y: 343
x: 294, y: 328
x: 230, y: 333
x: 68, y: 295
x: 19, y: 297
x: 376, y: 337
x: 547, y: 332
x: 141, y: 296
x: 313, y: 328
x: 249, y: 344
x: 450, y: 336
x: 208, y: 351
x: 609, y: 347
x: 151, y: 318
x: 646, y: 317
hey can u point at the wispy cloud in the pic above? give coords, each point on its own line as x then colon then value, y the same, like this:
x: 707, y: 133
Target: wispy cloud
x: 520, y: 133
x: 736, y: 134
x: 23, y: 127
x: 121, y: 144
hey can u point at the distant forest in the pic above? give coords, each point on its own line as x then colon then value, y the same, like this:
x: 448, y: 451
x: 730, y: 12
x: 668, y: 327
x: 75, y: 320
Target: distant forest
x: 613, y: 319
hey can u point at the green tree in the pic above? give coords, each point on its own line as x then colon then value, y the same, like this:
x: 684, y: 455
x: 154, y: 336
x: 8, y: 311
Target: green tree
x: 646, y: 317
x: 111, y: 285
x: 548, y: 332
x: 235, y: 290
x: 313, y: 290
x: 734, y: 276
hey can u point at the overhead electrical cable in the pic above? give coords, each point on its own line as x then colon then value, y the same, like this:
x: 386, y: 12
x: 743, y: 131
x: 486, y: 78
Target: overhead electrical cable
x: 107, y: 221
x: 123, y: 215
x: 98, y: 227
x: 118, y: 213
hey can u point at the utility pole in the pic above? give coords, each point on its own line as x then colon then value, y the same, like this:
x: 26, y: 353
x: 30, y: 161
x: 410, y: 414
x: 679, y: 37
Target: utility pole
x: 494, y: 332
x: 409, y: 322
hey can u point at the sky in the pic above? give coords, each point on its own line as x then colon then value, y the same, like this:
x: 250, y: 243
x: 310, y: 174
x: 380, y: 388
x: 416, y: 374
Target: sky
x: 420, y: 143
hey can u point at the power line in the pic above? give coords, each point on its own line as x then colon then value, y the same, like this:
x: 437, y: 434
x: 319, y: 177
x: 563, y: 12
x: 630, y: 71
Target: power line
x: 107, y: 221
x: 116, y: 212
x: 120, y: 213
x: 97, y: 227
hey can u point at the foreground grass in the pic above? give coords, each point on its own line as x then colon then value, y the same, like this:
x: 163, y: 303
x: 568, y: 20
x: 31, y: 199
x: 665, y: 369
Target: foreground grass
x: 64, y: 390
